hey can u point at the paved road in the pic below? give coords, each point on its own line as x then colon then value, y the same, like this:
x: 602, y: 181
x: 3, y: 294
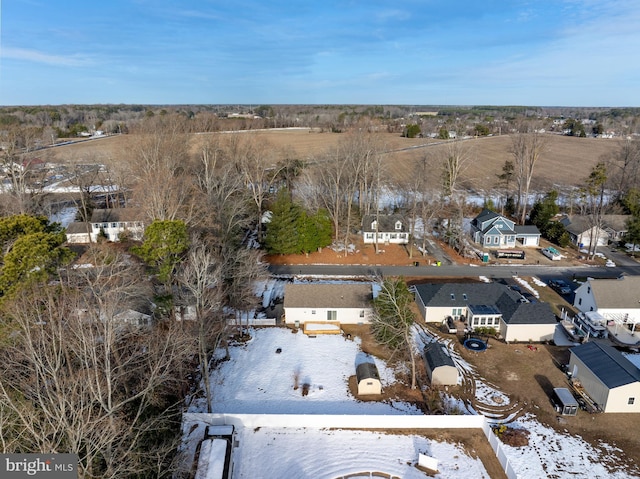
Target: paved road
x: 490, y: 271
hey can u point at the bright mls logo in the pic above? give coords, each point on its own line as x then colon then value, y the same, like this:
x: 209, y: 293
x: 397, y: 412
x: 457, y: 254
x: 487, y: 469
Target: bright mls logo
x: 50, y: 466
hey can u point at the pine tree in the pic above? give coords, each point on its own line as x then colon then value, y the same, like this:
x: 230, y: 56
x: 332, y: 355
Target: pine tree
x: 282, y: 231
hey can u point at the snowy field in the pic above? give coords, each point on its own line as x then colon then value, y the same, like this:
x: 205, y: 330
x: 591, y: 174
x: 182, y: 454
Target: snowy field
x: 258, y: 380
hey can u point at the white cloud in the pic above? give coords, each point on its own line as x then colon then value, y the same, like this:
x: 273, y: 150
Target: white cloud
x: 36, y: 56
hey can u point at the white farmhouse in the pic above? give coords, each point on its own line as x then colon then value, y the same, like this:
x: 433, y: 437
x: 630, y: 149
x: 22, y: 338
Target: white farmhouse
x: 115, y: 222
x: 615, y: 299
x: 384, y: 229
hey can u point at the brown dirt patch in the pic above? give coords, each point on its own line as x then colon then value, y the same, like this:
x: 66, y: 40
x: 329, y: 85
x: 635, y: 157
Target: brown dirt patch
x: 392, y: 254
x: 529, y: 377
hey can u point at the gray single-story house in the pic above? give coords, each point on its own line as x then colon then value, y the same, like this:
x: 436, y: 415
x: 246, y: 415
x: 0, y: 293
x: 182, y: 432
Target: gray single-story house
x: 487, y: 305
x: 344, y: 303
x: 582, y: 229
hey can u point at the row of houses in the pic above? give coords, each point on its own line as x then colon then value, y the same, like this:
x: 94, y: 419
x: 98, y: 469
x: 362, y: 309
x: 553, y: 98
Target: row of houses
x: 605, y: 374
x: 489, y: 229
x: 480, y: 305
x: 492, y: 230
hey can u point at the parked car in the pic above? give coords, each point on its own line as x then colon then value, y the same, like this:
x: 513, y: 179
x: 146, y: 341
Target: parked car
x: 560, y: 286
x: 551, y: 253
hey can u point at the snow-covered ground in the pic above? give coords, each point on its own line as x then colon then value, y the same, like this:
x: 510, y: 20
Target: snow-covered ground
x: 258, y: 380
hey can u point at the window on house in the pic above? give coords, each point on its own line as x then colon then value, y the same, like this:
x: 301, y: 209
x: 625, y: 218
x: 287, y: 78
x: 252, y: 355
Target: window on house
x: 483, y: 321
x: 394, y: 236
x: 579, y: 301
x: 453, y: 297
x: 631, y: 401
x: 398, y: 225
x: 114, y: 225
x: 369, y: 236
x: 374, y: 225
x: 332, y: 315
x: 588, y: 289
x: 313, y: 311
x: 464, y: 296
x: 362, y: 313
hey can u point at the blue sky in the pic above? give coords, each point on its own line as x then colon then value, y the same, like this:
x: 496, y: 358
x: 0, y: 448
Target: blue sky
x: 507, y: 52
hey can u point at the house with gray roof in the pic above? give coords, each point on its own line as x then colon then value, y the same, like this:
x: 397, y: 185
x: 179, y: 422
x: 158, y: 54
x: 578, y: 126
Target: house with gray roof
x: 110, y: 223
x: 114, y: 222
x: 440, y: 367
x: 610, y: 379
x: 384, y: 229
x: 78, y: 233
x: 487, y: 305
x: 582, y: 230
x: 615, y: 299
x: 491, y: 230
x: 344, y: 303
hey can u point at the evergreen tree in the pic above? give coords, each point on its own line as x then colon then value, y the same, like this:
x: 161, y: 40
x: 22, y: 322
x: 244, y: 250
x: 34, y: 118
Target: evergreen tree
x: 292, y: 230
x: 282, y: 235
x: 315, y: 231
x: 165, y: 243
x: 545, y: 209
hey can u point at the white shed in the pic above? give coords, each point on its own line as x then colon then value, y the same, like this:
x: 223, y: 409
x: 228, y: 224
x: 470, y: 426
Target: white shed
x: 440, y: 367
x: 368, y: 379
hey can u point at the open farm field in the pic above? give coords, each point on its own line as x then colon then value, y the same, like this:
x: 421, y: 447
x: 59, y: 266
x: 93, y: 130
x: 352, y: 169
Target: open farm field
x: 567, y: 161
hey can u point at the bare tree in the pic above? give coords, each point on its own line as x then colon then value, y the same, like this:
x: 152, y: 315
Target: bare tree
x: 627, y: 161
x: 393, y: 320
x: 527, y: 145
x: 453, y: 163
x: 202, y: 276
x: 259, y: 171
x: 242, y: 272
x: 595, y: 188
x: 161, y: 170
x: 24, y: 169
x: 79, y: 378
x: 225, y: 210
x: 421, y: 207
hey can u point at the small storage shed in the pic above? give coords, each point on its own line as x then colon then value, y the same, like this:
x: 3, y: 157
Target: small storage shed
x: 440, y: 367
x: 368, y: 379
x: 564, y: 402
